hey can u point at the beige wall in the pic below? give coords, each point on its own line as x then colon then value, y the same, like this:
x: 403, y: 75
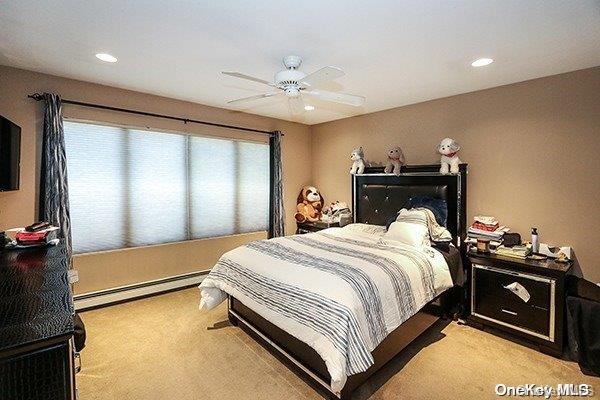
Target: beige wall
x: 533, y: 150
x: 115, y: 268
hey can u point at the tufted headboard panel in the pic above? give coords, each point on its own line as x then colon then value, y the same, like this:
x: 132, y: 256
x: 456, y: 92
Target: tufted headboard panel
x: 376, y: 196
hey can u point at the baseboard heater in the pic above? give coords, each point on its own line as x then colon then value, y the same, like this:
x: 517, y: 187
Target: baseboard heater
x: 120, y: 294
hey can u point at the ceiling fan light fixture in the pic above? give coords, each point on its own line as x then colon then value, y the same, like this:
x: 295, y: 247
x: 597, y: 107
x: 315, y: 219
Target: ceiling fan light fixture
x: 309, y: 107
x: 482, y: 62
x: 292, y: 91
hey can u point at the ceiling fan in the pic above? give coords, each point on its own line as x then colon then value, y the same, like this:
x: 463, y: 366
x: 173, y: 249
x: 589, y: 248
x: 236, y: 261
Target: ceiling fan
x: 294, y: 84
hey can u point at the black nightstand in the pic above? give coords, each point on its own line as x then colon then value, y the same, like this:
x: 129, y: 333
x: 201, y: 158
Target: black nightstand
x: 538, y: 315
x: 307, y: 227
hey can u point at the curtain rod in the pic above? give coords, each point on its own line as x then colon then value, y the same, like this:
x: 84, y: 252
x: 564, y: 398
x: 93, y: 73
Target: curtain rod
x: 39, y: 97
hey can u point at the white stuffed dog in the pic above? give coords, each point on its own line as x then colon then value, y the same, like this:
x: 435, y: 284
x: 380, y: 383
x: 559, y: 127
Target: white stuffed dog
x: 395, y: 161
x: 448, y: 148
x: 358, y: 161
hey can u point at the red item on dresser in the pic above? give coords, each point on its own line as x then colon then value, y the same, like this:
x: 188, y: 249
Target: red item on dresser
x: 31, y: 236
x: 484, y: 227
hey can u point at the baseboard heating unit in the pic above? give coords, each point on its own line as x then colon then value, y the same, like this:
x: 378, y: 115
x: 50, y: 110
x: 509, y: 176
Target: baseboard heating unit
x: 120, y: 294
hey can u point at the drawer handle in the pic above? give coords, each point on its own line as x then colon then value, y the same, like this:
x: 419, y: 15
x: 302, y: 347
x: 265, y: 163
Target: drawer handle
x: 509, y: 312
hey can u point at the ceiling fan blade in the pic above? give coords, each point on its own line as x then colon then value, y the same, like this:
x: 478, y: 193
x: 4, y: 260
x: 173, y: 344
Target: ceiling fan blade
x: 322, y: 75
x: 247, y: 77
x: 344, y: 98
x: 258, y: 96
x: 296, y: 105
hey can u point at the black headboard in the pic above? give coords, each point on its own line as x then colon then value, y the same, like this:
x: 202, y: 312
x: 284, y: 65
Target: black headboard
x: 377, y: 196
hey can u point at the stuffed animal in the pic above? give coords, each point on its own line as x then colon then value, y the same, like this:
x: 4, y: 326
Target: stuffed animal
x: 448, y: 148
x: 358, y: 161
x: 395, y: 161
x: 309, y: 205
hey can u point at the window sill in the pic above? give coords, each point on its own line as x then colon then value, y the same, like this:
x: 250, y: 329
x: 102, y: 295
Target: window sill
x: 91, y: 253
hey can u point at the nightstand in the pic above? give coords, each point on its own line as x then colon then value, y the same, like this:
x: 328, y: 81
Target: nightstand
x: 523, y: 297
x: 307, y: 227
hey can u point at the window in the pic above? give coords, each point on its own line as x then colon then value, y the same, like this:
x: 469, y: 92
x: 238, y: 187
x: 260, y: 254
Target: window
x: 130, y: 187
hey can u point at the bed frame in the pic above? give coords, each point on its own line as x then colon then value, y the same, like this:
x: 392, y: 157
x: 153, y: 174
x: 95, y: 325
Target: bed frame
x: 376, y: 197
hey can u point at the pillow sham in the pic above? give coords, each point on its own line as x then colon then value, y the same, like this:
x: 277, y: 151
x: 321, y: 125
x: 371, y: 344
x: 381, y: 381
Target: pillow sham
x: 365, y: 228
x: 410, y: 228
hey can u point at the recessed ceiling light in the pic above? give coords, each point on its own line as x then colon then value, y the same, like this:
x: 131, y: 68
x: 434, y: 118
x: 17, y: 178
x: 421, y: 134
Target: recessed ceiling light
x: 106, y: 57
x: 309, y: 108
x: 482, y: 62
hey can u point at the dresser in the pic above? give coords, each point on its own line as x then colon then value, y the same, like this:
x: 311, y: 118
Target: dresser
x: 523, y: 297
x: 36, y: 325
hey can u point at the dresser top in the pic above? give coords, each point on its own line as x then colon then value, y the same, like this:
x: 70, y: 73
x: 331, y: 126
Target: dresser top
x: 547, y: 265
x: 35, y: 296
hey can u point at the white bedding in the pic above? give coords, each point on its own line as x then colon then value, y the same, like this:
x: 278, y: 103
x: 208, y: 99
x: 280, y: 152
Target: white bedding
x: 341, y: 290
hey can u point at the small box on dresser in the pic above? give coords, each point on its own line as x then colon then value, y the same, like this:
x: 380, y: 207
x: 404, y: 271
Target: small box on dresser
x: 523, y: 297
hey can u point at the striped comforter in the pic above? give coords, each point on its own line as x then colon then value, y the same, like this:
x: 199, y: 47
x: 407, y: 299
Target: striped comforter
x: 341, y: 291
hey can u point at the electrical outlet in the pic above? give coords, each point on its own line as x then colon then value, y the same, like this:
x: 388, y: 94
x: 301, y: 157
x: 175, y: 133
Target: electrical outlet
x: 73, y: 276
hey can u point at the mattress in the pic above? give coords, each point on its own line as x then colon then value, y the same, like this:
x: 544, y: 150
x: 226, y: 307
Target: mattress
x: 341, y: 290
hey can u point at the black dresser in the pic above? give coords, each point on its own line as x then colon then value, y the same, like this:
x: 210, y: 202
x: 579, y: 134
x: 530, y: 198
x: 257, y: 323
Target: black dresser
x: 523, y: 297
x: 36, y: 325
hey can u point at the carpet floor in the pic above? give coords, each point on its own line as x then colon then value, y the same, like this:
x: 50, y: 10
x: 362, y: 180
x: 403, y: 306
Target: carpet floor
x: 163, y: 347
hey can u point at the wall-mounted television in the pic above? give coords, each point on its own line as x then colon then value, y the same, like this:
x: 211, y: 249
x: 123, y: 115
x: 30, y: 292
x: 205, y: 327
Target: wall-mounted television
x: 10, y: 155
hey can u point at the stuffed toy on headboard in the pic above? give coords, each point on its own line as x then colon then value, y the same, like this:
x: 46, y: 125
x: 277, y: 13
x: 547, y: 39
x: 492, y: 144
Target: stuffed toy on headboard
x: 309, y: 205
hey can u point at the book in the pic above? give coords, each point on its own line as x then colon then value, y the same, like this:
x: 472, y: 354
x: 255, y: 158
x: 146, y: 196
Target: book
x: 516, y: 251
x: 23, y: 237
x: 485, y: 227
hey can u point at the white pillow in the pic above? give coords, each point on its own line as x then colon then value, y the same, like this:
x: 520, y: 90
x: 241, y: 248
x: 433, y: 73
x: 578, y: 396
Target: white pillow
x: 366, y: 228
x: 410, y: 228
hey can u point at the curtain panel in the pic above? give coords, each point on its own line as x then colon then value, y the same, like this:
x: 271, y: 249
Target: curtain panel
x: 54, y: 193
x: 276, y: 210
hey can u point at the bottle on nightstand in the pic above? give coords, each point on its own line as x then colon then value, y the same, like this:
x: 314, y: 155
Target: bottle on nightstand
x: 535, y: 243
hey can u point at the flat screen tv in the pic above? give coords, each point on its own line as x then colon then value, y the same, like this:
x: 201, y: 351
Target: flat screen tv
x: 10, y: 155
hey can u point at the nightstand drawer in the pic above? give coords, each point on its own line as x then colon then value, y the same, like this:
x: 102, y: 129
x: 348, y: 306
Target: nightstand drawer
x: 492, y: 299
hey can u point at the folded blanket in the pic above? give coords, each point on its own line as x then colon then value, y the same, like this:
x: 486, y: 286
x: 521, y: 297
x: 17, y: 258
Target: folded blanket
x: 437, y: 233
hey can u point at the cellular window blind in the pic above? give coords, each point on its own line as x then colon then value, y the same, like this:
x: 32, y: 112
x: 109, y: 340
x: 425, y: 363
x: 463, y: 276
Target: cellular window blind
x: 131, y: 187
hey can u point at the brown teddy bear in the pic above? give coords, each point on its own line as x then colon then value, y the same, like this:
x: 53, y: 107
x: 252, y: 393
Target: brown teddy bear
x: 310, y: 205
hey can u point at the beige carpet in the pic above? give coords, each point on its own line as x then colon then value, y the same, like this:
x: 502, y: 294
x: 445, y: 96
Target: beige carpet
x: 164, y: 348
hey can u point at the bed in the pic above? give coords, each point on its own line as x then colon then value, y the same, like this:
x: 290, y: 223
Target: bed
x: 340, y: 303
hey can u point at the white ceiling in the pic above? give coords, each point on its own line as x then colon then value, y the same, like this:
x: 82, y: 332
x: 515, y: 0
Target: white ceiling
x: 394, y: 52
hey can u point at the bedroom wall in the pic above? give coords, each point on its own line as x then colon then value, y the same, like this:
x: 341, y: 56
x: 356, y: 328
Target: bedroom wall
x: 115, y: 268
x: 533, y: 150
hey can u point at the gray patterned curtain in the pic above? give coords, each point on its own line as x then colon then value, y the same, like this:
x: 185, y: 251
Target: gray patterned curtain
x: 54, y: 193
x: 276, y: 210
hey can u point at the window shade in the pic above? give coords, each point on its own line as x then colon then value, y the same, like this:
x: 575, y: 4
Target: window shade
x: 131, y: 187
